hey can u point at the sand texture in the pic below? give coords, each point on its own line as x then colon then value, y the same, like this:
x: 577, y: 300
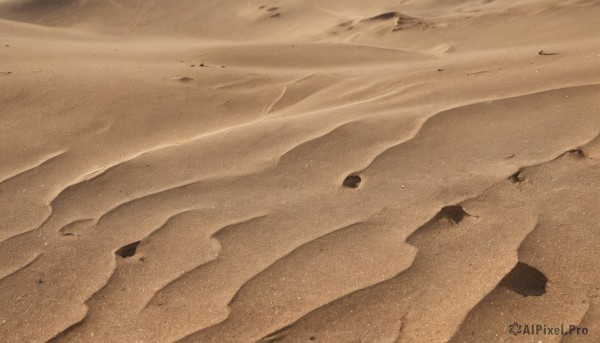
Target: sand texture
x: 341, y: 171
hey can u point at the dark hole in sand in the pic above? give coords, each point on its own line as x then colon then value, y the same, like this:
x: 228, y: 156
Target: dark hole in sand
x: 127, y: 250
x: 384, y: 16
x: 453, y: 213
x: 352, y: 181
x: 525, y: 280
x: 516, y: 177
x: 577, y: 153
x: 345, y: 24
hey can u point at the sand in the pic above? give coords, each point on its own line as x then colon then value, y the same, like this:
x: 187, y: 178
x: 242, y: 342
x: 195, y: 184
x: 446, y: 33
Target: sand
x: 299, y: 171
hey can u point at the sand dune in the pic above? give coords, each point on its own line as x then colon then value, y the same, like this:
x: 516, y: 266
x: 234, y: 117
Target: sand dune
x: 298, y: 171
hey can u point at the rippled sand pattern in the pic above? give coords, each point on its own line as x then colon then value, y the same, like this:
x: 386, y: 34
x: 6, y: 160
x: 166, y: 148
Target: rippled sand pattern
x: 298, y: 171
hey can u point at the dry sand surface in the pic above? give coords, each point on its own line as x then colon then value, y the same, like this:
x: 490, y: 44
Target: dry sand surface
x: 335, y: 171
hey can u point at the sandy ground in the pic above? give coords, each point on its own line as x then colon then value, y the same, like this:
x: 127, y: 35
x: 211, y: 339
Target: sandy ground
x: 299, y: 170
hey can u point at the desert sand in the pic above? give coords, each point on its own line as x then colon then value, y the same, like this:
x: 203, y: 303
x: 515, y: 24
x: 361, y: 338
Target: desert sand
x: 335, y: 171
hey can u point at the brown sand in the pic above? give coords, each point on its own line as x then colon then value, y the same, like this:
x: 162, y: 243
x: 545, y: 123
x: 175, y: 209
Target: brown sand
x: 298, y: 171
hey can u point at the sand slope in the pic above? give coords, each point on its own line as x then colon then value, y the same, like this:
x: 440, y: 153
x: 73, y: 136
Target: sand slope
x: 187, y: 171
